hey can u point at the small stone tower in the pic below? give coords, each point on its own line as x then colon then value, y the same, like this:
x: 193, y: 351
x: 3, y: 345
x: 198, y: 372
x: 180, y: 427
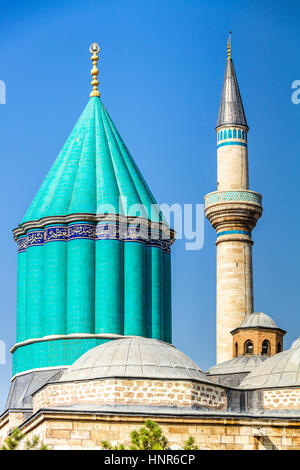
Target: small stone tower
x: 233, y: 211
x: 259, y: 335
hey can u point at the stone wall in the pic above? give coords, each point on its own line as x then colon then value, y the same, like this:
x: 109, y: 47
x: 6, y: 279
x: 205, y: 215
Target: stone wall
x: 4, y: 429
x: 63, y: 431
x: 139, y: 392
x: 8, y: 423
x: 282, y: 399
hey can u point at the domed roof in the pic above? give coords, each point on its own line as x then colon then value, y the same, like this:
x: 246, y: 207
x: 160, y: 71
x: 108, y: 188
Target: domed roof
x: 134, y: 357
x: 237, y: 365
x: 258, y: 320
x: 93, y: 173
x: 296, y: 343
x: 280, y: 370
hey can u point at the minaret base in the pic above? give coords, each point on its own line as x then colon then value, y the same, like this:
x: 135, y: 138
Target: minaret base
x: 233, y: 214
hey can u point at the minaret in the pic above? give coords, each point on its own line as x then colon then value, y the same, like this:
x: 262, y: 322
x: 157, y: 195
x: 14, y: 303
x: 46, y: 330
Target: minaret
x: 233, y: 211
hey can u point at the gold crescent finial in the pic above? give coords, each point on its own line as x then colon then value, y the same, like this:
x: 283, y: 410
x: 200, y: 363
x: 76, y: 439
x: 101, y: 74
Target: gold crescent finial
x: 94, y: 50
x: 229, y: 47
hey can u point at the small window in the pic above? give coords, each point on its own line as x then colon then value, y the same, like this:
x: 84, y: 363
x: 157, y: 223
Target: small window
x: 239, y: 134
x: 230, y: 134
x: 221, y: 136
x: 243, y: 135
x: 248, y: 347
x: 279, y: 347
x: 236, y: 350
x: 234, y: 133
x: 225, y: 134
x: 265, y: 347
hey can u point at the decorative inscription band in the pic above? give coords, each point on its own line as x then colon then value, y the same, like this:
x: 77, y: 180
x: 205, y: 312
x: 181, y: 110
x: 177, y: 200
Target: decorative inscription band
x: 86, y: 231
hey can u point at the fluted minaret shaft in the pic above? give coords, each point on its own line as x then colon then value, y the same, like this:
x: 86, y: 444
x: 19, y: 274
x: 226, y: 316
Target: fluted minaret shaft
x: 233, y: 211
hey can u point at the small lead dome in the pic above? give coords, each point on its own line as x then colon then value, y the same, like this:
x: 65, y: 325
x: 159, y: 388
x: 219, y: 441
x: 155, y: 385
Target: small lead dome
x: 258, y: 320
x: 134, y: 357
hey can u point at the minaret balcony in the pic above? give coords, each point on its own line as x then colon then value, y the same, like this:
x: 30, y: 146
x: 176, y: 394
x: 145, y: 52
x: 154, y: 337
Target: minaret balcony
x: 233, y: 210
x: 232, y: 196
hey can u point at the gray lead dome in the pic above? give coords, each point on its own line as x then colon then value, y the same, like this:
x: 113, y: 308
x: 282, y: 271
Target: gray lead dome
x: 258, y: 320
x: 134, y: 357
x: 281, y: 370
x: 237, y: 365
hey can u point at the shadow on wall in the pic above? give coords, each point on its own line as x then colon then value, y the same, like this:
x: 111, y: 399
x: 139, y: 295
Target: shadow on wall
x: 264, y: 442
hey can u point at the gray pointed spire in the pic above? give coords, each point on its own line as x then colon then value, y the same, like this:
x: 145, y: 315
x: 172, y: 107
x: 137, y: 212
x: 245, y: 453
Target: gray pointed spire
x: 231, y: 108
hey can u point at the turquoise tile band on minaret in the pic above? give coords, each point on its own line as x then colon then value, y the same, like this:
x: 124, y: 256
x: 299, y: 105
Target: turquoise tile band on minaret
x: 233, y: 196
x: 222, y: 144
x: 234, y: 232
x: 93, y: 251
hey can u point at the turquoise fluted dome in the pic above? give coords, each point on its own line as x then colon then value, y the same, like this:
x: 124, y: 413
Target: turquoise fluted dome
x: 93, y: 171
x: 94, y: 260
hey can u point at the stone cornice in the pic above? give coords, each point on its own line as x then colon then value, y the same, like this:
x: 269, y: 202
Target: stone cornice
x: 165, y: 416
x: 71, y: 336
x: 260, y: 328
x: 233, y: 215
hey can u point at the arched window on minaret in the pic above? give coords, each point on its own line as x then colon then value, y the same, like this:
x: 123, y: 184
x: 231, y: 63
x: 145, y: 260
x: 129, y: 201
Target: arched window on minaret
x: 230, y: 134
x: 265, y: 347
x: 248, y: 347
x: 236, y: 350
x: 234, y: 133
x: 225, y: 134
x: 279, y: 347
x: 239, y: 134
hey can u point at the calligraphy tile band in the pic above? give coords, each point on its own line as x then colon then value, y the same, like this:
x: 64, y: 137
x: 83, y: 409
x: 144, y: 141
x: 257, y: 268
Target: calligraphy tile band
x: 85, y: 231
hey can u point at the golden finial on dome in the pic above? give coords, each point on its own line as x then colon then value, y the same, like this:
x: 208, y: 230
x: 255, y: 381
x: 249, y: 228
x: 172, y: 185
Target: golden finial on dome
x: 229, y: 47
x: 94, y: 49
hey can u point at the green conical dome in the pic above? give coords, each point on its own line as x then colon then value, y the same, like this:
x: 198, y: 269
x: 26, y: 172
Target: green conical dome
x: 93, y: 252
x: 93, y: 171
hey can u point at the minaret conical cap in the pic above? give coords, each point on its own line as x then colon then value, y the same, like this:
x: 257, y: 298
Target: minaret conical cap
x: 231, y: 109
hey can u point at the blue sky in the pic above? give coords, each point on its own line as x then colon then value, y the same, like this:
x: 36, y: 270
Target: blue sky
x: 161, y: 72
